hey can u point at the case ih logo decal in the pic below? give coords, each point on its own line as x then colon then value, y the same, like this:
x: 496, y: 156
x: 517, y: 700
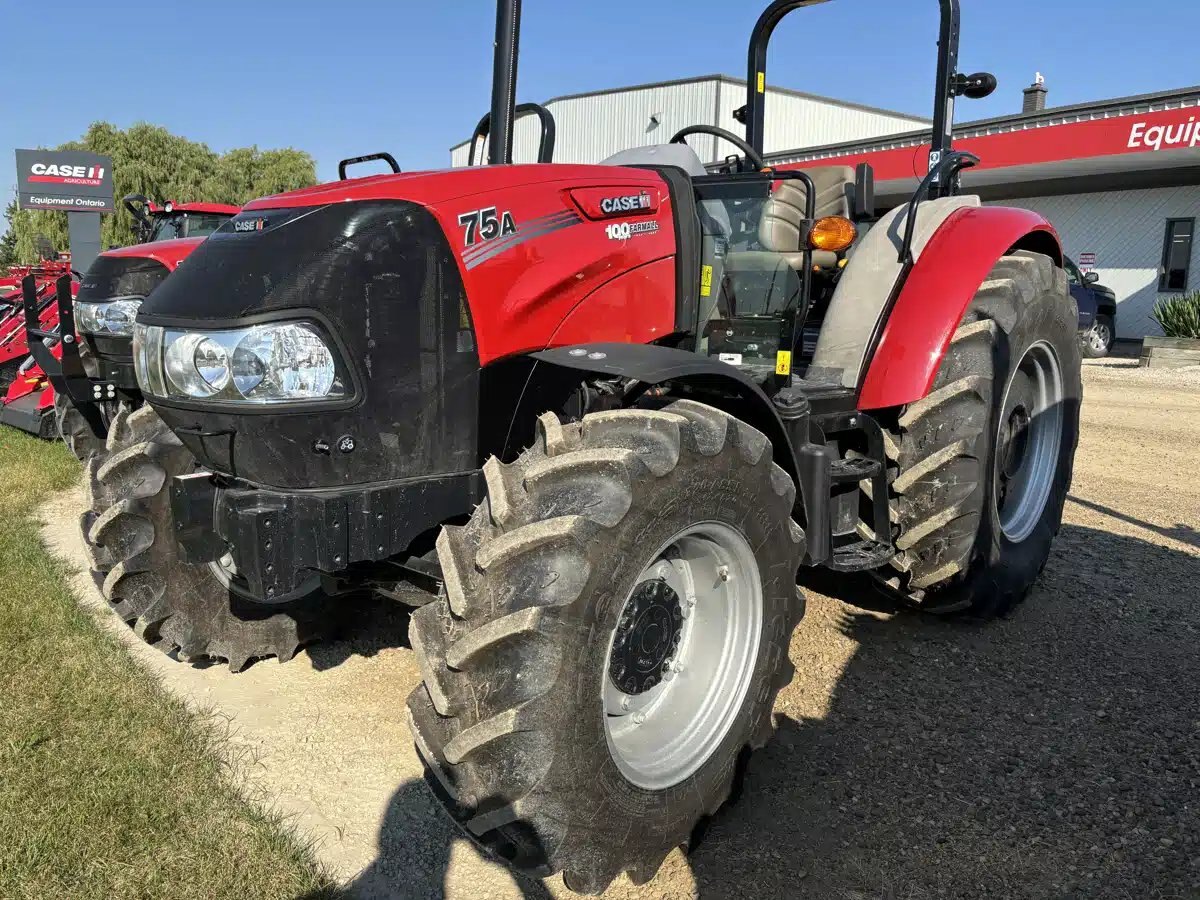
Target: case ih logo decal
x: 52, y: 174
x: 1165, y: 137
x: 615, y: 201
x: 488, y: 233
x: 614, y: 206
x: 241, y: 225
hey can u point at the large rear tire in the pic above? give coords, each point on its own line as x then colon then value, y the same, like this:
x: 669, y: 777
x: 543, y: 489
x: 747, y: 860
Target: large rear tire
x: 180, y: 607
x: 982, y: 465
x: 567, y: 615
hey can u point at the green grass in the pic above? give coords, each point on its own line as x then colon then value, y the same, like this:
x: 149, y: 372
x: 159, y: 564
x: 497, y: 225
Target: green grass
x: 108, y: 786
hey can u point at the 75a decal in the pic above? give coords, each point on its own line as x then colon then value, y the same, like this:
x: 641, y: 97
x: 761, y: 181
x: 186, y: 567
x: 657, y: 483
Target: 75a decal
x: 485, y: 224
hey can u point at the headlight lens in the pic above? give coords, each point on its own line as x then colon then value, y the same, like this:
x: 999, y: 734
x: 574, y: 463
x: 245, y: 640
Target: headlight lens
x: 114, y: 316
x: 277, y: 363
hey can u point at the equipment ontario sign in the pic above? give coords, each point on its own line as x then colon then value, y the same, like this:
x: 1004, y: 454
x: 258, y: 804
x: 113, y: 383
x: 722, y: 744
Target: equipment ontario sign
x: 70, y: 180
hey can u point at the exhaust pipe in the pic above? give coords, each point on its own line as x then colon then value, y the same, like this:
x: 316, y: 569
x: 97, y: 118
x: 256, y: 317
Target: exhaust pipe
x: 504, y: 81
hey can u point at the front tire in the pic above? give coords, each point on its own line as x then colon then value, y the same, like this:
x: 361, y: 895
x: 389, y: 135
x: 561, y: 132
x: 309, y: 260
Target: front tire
x: 177, y: 606
x: 564, y: 620
x: 1097, y: 341
x: 982, y: 465
x: 75, y: 431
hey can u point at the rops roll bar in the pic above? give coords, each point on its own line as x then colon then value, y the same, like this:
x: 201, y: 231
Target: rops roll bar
x: 949, y: 82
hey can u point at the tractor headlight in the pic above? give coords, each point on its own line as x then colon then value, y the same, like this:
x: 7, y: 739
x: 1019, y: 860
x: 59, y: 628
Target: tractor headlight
x: 108, y: 317
x: 280, y: 362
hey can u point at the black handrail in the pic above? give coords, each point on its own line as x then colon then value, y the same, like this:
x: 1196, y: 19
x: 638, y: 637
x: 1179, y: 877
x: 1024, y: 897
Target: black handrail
x: 355, y: 160
x: 943, y: 173
x: 545, y: 143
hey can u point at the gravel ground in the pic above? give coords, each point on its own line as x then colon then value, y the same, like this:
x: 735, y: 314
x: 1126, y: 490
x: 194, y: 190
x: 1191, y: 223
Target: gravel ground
x: 1053, y: 754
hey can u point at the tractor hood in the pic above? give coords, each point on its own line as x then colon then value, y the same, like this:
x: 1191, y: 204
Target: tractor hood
x: 168, y: 253
x: 432, y: 187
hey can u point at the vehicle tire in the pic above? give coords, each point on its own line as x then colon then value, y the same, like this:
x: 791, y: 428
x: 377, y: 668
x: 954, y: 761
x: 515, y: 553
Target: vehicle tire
x: 982, y: 465
x: 558, y: 589
x: 1097, y: 341
x: 74, y: 430
x: 186, y: 608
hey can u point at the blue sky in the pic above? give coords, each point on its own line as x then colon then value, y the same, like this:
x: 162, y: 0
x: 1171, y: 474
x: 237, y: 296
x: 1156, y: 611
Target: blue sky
x: 346, y: 78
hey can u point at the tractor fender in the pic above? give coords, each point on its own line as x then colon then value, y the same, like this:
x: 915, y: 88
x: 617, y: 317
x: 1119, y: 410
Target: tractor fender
x: 698, y: 377
x: 931, y: 303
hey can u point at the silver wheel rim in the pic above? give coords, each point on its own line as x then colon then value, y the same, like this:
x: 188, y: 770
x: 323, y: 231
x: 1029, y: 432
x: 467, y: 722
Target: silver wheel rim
x: 673, y: 687
x: 1028, y: 441
x: 1100, y: 337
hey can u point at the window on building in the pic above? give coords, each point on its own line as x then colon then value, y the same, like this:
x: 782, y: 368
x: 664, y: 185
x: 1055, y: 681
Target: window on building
x: 1177, y: 255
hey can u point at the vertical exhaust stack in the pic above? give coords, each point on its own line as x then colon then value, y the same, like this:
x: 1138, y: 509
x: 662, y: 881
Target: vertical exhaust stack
x: 504, y: 81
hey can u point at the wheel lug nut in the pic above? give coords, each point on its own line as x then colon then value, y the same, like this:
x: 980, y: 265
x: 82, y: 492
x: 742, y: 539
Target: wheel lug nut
x: 626, y: 702
x: 639, y: 718
x: 723, y: 572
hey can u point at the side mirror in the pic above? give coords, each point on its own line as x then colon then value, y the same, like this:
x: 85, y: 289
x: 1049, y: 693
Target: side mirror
x: 976, y: 86
x: 1090, y: 278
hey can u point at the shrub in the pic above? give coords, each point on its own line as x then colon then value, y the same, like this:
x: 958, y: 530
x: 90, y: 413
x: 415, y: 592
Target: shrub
x: 1179, y: 317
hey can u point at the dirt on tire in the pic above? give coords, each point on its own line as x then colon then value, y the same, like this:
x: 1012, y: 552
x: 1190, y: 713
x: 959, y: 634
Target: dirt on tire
x: 510, y: 717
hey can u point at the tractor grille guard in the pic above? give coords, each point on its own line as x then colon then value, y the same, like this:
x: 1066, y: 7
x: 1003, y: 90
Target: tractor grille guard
x: 66, y: 375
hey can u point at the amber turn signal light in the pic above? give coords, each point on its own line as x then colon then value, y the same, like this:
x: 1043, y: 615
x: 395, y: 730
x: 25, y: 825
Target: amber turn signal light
x: 833, y: 233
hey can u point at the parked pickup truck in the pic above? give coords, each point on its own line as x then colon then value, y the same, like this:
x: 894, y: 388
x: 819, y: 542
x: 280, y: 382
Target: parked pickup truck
x: 1097, y: 311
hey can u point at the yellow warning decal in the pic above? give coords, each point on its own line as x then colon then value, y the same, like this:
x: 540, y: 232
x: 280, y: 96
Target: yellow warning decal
x: 706, y: 281
x: 762, y: 81
x: 783, y: 362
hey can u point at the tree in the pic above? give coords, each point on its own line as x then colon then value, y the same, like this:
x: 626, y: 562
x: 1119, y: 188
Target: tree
x: 8, y: 243
x: 149, y: 160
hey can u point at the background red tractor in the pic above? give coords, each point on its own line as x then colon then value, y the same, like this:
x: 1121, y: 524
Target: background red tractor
x: 109, y: 295
x: 567, y: 410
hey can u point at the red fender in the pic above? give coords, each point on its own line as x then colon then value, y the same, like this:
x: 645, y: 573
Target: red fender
x: 953, y: 265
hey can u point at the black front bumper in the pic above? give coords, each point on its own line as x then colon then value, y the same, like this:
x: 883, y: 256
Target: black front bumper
x: 279, y: 539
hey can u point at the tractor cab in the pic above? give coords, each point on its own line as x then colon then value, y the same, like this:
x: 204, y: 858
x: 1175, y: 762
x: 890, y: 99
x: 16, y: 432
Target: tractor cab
x: 171, y: 220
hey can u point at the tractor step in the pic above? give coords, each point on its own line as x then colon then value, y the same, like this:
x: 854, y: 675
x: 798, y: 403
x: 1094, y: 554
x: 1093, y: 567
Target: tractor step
x: 854, y: 470
x: 860, y: 555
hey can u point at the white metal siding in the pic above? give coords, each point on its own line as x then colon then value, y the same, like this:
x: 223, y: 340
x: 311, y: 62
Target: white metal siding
x: 594, y: 127
x: 796, y: 121
x: 1125, y: 230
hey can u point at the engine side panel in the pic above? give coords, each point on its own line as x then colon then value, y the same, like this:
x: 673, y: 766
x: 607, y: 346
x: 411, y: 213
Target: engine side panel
x: 530, y: 255
x: 931, y: 304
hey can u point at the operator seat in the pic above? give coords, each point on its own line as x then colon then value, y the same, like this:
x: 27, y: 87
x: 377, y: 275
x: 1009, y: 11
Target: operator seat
x: 765, y: 281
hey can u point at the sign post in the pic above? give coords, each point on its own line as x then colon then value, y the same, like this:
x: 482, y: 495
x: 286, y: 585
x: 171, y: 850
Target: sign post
x: 75, y: 181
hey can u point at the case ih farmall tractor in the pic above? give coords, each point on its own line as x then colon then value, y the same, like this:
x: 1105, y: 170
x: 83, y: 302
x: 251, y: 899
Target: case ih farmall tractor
x: 102, y: 309
x: 584, y: 387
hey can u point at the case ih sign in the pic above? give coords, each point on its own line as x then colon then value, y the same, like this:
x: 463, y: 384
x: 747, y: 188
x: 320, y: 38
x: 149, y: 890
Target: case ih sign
x: 71, y: 180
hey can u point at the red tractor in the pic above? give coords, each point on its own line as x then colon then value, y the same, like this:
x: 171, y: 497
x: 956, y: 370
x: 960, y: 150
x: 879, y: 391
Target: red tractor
x: 568, y: 411
x: 105, y: 304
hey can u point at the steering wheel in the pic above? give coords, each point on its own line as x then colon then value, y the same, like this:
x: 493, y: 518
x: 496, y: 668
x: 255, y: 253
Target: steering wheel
x: 752, y: 156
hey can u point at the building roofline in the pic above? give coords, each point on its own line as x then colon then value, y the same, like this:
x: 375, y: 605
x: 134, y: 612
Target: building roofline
x: 728, y: 79
x: 1054, y: 115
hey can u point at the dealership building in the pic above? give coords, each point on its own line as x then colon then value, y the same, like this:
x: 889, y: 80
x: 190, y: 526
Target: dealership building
x: 1119, y: 178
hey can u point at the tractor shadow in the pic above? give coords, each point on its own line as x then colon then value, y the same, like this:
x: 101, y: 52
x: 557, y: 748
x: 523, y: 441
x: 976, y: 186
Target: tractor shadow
x: 416, y: 840
x: 1051, y: 754
x: 370, y: 623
